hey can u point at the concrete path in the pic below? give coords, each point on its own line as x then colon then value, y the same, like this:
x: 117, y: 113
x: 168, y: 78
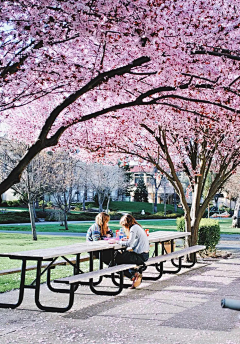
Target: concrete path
x: 183, y: 308
x: 178, y: 309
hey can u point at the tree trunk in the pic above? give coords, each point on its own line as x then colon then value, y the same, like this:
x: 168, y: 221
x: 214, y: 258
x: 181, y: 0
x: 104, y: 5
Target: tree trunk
x: 84, y: 198
x: 65, y: 221
x: 34, y: 212
x: 155, y: 202
x: 30, y: 206
x: 32, y: 218
x: 108, y: 202
x: 100, y: 201
x: 174, y: 200
x: 43, y: 203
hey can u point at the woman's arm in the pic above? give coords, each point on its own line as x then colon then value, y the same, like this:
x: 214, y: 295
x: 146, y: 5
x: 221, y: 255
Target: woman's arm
x: 109, y: 233
x: 132, y: 237
x: 96, y: 234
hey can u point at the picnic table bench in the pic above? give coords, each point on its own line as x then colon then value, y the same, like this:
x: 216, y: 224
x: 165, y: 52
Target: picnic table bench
x: 48, y: 258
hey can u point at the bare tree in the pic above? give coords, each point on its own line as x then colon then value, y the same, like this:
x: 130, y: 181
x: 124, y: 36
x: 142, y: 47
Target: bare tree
x: 104, y: 179
x: 64, y: 179
x: 34, y: 180
x: 232, y: 187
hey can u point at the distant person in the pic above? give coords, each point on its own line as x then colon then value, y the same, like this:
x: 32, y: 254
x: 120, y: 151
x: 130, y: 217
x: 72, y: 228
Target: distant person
x: 99, y: 231
x: 138, y: 242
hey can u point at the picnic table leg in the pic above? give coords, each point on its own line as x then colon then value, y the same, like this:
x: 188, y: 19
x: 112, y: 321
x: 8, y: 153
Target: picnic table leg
x: 190, y: 265
x: 110, y: 293
x: 116, y: 283
x: 21, y: 289
x: 159, y: 268
x: 179, y: 266
x: 91, y: 268
x: 50, y: 308
x: 75, y: 272
x: 112, y: 262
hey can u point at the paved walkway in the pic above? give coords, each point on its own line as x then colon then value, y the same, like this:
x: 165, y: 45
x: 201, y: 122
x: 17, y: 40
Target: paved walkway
x: 178, y: 309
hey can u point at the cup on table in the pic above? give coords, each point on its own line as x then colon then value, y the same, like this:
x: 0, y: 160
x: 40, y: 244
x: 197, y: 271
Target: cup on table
x: 147, y: 231
x: 117, y: 234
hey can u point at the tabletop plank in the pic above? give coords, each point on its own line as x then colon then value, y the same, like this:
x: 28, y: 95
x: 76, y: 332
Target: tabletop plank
x: 49, y: 253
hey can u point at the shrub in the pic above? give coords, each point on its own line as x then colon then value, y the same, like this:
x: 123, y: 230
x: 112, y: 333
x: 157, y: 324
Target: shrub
x: 88, y: 216
x: 9, y: 203
x: 41, y: 214
x: 18, y: 203
x: 208, y: 233
x: 14, y: 217
x: 180, y: 224
x: 114, y: 215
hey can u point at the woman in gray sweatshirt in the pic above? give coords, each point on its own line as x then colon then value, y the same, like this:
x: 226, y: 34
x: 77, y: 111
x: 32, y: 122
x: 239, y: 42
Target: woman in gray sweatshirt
x: 138, y: 244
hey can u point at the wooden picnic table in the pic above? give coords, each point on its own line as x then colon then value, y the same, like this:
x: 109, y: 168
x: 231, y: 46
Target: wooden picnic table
x: 51, y: 255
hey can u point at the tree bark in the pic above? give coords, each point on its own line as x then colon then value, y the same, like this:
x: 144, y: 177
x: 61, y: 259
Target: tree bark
x: 108, y: 202
x: 100, y: 201
x: 32, y: 218
x: 65, y: 221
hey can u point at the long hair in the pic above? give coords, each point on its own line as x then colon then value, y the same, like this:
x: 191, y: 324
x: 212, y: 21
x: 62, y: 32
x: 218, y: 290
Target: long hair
x: 102, y: 221
x: 128, y: 221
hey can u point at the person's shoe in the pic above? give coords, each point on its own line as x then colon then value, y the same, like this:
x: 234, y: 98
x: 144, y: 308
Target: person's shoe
x: 136, y: 281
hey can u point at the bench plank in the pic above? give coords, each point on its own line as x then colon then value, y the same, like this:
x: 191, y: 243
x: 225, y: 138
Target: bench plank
x: 94, y: 274
x: 175, y: 254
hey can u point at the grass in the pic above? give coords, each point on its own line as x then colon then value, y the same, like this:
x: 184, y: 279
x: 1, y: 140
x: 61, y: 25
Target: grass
x: 81, y: 227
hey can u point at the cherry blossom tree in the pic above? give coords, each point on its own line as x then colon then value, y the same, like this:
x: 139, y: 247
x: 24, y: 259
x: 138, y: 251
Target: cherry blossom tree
x: 194, y: 145
x: 189, y: 79
x: 88, y: 59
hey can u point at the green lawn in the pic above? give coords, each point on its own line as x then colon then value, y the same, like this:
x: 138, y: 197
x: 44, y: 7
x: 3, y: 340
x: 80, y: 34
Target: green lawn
x: 81, y: 227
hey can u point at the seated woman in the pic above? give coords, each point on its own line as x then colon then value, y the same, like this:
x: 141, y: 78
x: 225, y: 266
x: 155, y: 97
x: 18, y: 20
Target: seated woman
x: 138, y: 241
x: 99, y: 231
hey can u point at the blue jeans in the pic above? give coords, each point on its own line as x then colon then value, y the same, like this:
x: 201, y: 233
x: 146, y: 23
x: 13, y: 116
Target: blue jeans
x: 128, y: 257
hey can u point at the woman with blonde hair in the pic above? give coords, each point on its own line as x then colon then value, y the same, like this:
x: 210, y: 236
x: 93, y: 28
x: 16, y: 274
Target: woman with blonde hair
x: 138, y: 242
x: 99, y: 231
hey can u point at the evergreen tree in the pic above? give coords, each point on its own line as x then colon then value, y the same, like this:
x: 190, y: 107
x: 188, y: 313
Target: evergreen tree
x: 141, y: 193
x: 127, y: 187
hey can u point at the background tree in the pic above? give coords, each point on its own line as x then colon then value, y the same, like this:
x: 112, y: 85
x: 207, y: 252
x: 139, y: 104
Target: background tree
x: 104, y: 179
x: 64, y: 181
x: 125, y: 189
x: 34, y: 180
x: 232, y: 186
x: 156, y: 179
x: 141, y: 193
